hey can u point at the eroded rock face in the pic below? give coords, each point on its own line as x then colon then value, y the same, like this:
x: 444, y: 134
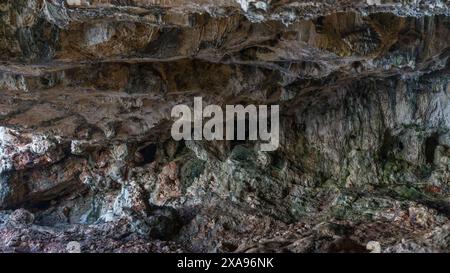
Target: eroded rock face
x: 87, y: 162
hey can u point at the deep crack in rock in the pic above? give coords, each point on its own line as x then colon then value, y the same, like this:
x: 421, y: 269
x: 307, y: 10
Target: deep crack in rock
x: 88, y: 164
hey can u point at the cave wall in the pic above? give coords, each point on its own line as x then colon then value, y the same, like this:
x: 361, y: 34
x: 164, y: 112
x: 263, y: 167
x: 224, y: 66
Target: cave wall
x: 86, y: 92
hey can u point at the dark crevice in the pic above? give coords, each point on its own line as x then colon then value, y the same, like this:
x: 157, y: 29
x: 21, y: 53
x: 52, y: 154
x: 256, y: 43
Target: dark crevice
x: 430, y: 147
x: 147, y: 154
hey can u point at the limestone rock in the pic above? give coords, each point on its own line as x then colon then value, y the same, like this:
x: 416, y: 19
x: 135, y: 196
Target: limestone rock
x: 87, y: 161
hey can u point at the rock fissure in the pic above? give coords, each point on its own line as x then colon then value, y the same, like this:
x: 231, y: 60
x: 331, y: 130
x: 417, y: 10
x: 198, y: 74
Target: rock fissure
x: 87, y: 161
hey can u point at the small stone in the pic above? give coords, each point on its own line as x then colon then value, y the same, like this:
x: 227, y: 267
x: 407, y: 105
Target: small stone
x: 21, y: 217
x: 374, y: 247
x: 73, y: 247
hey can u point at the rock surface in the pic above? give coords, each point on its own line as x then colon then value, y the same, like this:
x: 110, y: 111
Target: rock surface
x: 87, y: 163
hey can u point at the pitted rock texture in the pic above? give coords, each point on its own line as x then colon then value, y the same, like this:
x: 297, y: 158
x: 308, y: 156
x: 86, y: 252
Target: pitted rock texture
x: 87, y: 162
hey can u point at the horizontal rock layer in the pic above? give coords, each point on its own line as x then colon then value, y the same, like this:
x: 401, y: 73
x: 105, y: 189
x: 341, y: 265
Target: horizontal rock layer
x: 86, y: 155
